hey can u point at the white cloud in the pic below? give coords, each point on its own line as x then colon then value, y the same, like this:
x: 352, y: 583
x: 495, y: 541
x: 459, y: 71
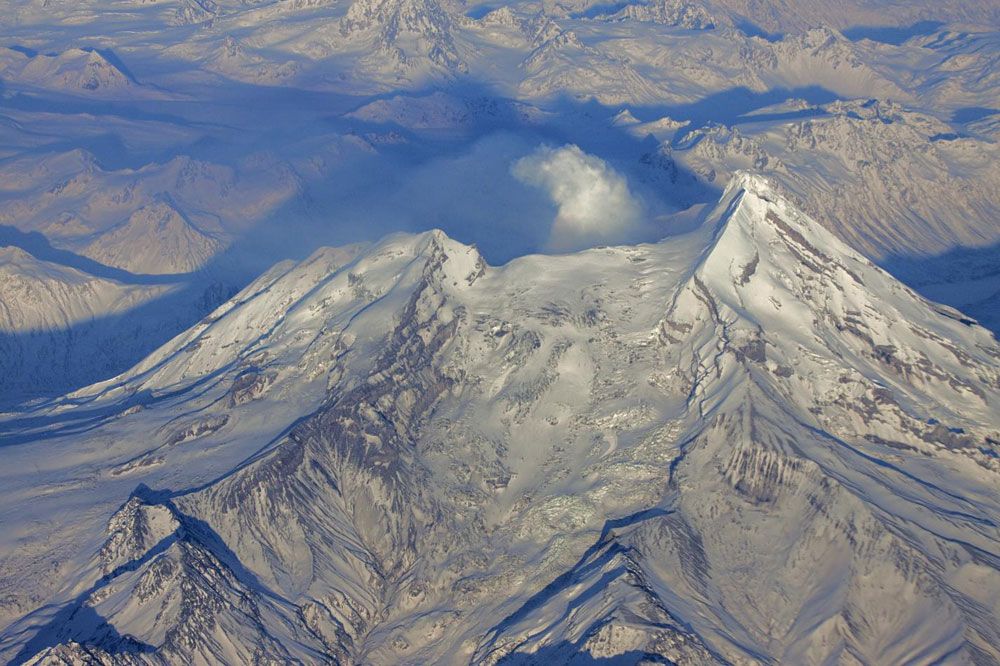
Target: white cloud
x: 594, y: 202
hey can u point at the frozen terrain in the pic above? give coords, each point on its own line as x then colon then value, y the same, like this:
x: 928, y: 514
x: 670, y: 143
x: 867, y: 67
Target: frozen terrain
x: 206, y: 140
x: 560, y: 331
x: 742, y: 444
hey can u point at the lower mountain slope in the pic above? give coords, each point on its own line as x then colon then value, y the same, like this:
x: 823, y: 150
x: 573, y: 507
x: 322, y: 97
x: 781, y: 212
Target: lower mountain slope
x: 747, y: 444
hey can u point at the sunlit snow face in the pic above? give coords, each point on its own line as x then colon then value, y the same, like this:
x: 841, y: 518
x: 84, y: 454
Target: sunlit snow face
x: 594, y: 202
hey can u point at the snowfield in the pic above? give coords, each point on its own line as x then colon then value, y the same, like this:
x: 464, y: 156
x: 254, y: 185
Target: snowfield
x: 398, y: 453
x: 438, y: 332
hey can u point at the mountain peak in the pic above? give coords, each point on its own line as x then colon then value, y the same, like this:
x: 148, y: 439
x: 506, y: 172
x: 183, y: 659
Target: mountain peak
x: 754, y: 183
x: 395, y: 24
x: 752, y: 214
x: 747, y: 188
x: 11, y: 254
x: 777, y: 267
x: 454, y: 264
x: 169, y: 242
x: 773, y: 277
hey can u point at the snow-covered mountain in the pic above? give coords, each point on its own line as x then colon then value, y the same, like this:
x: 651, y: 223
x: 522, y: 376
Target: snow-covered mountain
x: 668, y: 12
x: 155, y: 239
x: 160, y: 218
x: 276, y: 126
x: 401, y: 30
x: 236, y: 427
x: 853, y: 165
x: 61, y: 326
x: 76, y: 70
x: 745, y: 444
x: 783, y: 15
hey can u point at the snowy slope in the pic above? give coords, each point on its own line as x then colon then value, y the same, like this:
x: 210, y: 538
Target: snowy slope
x: 85, y: 71
x: 743, y: 444
x: 856, y: 164
x: 50, y: 331
x: 155, y: 239
x: 278, y: 126
x: 892, y: 17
